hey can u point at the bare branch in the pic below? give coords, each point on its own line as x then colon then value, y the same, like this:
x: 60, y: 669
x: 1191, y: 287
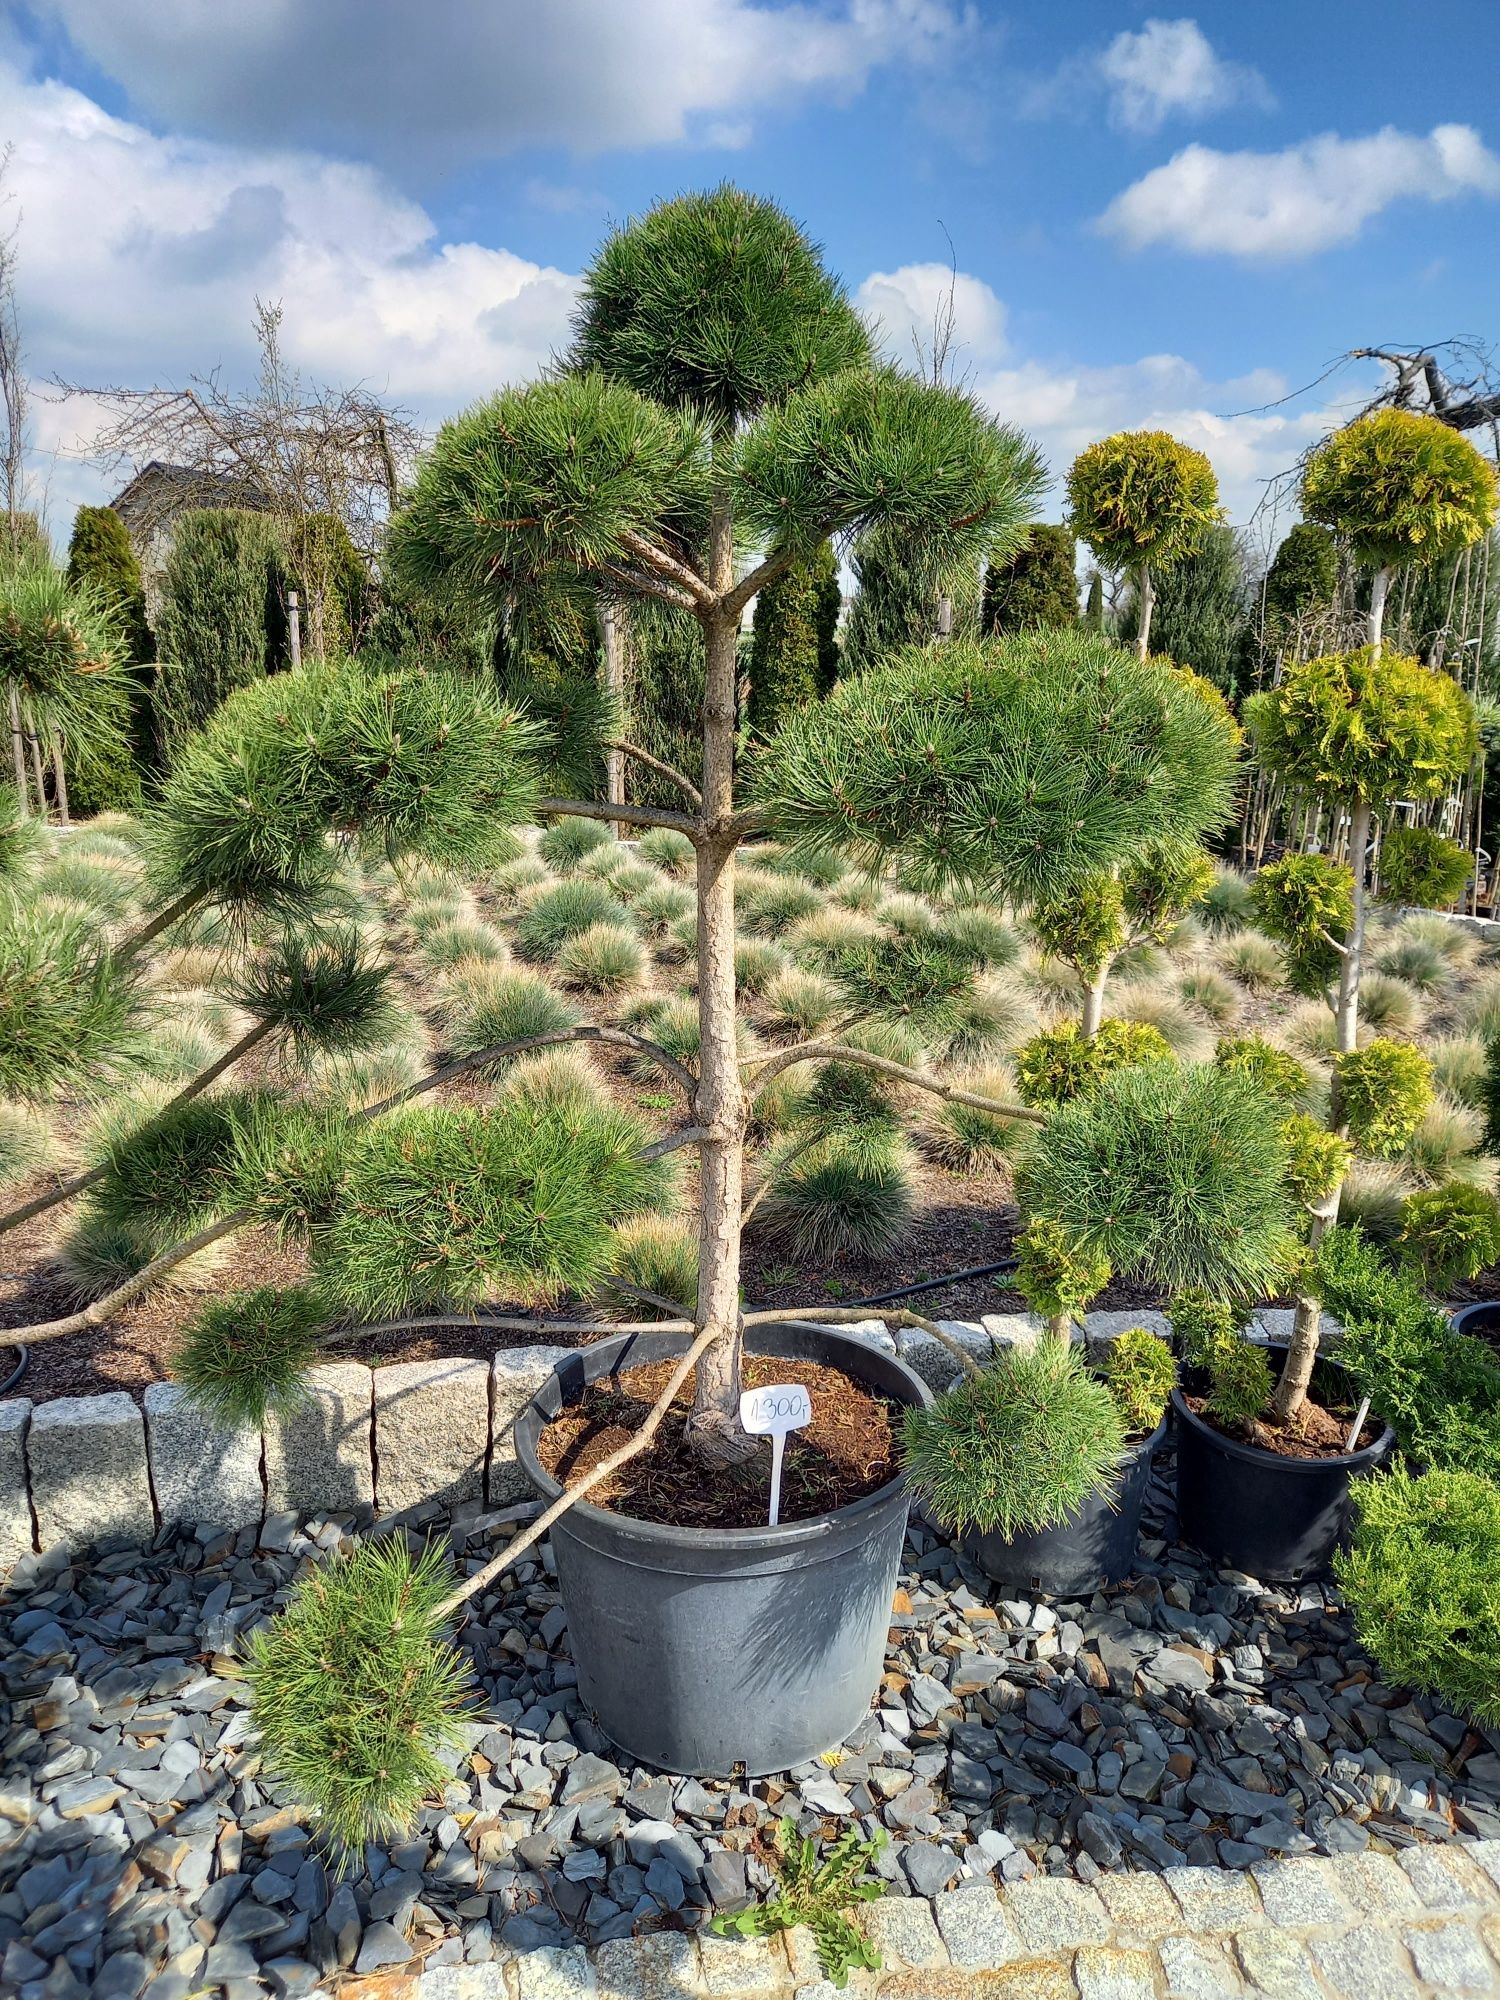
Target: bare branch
x: 664, y: 770
x: 824, y: 1051
x: 776, y: 564
x: 642, y: 584
x: 633, y: 815
x: 587, y: 1031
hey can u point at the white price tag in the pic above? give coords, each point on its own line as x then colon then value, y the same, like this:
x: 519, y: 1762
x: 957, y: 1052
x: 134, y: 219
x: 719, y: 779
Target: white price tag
x: 772, y: 1412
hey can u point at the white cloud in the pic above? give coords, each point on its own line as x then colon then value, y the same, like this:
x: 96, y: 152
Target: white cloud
x: 140, y: 257
x: 1304, y: 199
x: 904, y: 307
x: 1065, y: 406
x: 449, y: 80
x: 1169, y: 69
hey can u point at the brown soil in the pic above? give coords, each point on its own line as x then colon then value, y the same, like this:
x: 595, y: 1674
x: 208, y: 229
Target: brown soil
x: 1323, y: 1433
x: 846, y: 1452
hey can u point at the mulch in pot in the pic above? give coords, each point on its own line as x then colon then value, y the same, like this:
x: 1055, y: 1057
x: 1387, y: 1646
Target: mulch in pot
x: 1321, y: 1433
x: 849, y: 1449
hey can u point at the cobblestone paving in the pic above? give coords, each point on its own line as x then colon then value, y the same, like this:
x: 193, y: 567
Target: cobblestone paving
x: 1191, y: 1786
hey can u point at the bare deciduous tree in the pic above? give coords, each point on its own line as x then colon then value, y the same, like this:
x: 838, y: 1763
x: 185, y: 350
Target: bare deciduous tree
x: 302, y: 452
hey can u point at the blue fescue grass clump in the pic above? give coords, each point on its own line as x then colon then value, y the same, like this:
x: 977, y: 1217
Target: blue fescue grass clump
x: 354, y: 1693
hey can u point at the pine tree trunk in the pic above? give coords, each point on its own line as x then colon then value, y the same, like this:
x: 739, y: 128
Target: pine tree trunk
x: 1147, y: 600
x: 611, y: 624
x: 714, y: 1425
x: 34, y: 746
x: 1093, y: 1001
x: 1296, y: 1373
x: 17, y: 750
x: 60, y: 779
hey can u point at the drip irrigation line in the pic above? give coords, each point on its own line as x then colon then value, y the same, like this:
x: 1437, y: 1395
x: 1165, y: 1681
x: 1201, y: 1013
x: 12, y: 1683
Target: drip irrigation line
x: 938, y: 1284
x: 18, y: 1371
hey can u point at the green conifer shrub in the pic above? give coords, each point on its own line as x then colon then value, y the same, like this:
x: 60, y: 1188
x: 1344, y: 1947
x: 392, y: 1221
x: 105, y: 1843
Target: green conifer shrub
x: 794, y: 655
x: 1037, y: 585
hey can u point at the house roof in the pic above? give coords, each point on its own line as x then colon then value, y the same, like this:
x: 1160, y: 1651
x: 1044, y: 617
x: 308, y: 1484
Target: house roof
x: 159, y: 493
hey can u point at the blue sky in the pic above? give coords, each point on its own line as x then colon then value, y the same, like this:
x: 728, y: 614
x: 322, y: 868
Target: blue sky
x: 1158, y: 217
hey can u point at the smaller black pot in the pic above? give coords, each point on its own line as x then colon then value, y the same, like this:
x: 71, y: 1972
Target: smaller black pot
x: 1094, y: 1546
x: 1481, y: 1322
x: 1274, y: 1518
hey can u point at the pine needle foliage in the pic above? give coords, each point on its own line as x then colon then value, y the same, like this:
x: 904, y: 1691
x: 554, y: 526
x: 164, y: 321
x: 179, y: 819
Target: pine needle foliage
x: 448, y: 1206
x: 326, y: 995
x: 1018, y: 1448
x: 400, y: 763
x: 354, y: 1694
x: 62, y: 655
x: 921, y: 977
x: 1423, y: 1582
x: 1022, y: 766
x: 1400, y: 486
x: 820, y: 1894
x: 181, y: 1169
x: 69, y: 1008
x: 246, y: 1356
x: 1176, y: 1176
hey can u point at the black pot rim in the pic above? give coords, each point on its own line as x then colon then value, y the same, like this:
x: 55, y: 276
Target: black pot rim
x: 661, y: 1534
x: 1255, y: 1454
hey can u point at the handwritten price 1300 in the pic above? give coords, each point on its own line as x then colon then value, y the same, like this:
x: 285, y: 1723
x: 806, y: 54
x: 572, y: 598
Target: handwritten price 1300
x: 772, y: 1412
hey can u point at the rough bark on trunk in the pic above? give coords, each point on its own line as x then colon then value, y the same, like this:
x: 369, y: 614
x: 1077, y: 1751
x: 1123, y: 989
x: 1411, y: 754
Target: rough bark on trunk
x: 1147, y: 600
x: 60, y: 779
x: 17, y: 749
x: 1302, y: 1353
x: 714, y: 1424
x: 611, y: 625
x: 34, y: 746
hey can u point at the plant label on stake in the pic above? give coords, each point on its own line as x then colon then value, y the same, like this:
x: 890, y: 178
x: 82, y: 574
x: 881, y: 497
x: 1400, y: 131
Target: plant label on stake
x: 772, y: 1412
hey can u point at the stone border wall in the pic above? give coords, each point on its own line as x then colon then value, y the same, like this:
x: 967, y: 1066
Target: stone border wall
x: 378, y: 1441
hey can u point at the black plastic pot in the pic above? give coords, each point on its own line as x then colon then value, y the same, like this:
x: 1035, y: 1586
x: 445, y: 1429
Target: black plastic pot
x: 1094, y: 1546
x: 709, y: 1650
x: 1274, y: 1518
x: 1481, y: 1322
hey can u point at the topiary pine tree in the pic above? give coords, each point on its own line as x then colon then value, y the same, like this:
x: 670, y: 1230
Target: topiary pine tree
x: 1142, y: 501
x: 1399, y: 487
x: 719, y: 384
x: 794, y: 656
x: 63, y: 677
x: 221, y: 602
x: 1364, y: 729
x: 1038, y: 585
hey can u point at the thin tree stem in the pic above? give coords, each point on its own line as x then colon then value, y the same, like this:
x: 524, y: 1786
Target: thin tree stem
x: 668, y: 771
x: 821, y: 1051
x: 164, y: 920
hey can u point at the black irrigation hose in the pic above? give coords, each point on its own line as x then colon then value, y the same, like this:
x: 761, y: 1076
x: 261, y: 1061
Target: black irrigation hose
x: 18, y: 1371
x: 938, y: 1284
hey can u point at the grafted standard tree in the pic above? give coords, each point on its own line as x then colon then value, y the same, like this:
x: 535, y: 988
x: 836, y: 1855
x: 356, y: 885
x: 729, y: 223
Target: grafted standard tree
x: 1142, y: 501
x: 720, y: 392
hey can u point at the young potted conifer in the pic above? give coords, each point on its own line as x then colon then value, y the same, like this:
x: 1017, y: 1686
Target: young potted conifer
x: 1172, y: 1175
x: 1263, y: 1466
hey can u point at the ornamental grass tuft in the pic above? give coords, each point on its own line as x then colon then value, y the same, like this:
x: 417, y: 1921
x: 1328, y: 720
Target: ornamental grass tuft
x: 651, y: 1253
x: 567, y: 841
x: 848, y: 1195
x: 498, y: 1006
x: 605, y: 958
x: 1017, y: 1448
x: 355, y: 1696
x: 563, y: 912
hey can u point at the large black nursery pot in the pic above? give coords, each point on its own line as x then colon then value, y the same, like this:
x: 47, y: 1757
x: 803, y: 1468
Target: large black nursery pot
x: 1094, y: 1546
x: 1277, y: 1519
x: 713, y: 1650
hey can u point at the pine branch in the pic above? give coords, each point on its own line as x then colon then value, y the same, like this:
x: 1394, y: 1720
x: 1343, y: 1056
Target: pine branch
x: 644, y: 585
x: 765, y: 572
x: 200, y: 1083
x: 184, y: 904
x: 587, y: 1031
x: 657, y: 558
x: 821, y: 1051
x: 633, y: 815
x: 657, y: 764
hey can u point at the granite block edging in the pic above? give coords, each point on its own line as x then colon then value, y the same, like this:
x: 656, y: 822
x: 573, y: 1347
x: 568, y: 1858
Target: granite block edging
x: 1043, y: 1938
x: 379, y: 1442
